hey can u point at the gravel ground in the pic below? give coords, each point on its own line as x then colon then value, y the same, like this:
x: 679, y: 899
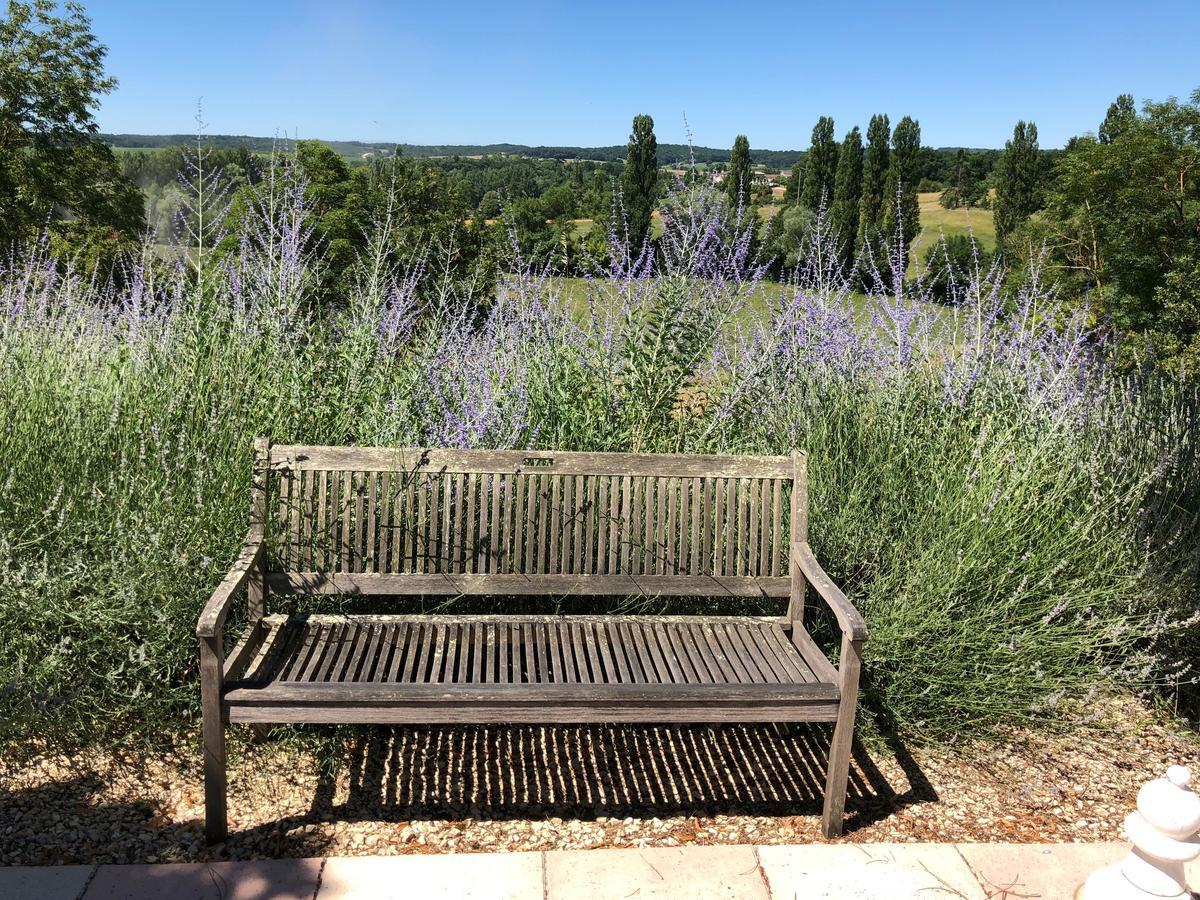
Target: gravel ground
x: 430, y: 790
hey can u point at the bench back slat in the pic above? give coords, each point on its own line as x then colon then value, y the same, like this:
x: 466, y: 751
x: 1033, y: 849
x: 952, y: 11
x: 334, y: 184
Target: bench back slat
x: 365, y: 519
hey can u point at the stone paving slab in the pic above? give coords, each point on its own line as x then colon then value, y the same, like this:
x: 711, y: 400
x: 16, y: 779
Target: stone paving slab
x: 655, y: 873
x: 470, y: 876
x: 44, y: 882
x: 272, y: 879
x: 1047, y: 872
x: 868, y: 872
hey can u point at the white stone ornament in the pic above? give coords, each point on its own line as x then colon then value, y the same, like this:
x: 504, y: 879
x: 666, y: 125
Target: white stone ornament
x: 1163, y: 832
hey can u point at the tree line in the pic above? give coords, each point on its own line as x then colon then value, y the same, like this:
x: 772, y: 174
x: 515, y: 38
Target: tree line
x: 1113, y: 217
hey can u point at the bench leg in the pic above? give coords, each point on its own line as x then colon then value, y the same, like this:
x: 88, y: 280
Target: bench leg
x: 213, y: 731
x: 843, y: 738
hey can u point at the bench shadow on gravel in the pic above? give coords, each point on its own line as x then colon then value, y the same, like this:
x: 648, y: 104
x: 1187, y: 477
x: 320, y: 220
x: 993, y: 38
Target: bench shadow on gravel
x: 616, y: 771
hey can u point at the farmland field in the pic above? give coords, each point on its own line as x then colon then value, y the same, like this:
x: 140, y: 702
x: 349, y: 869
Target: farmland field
x: 937, y: 220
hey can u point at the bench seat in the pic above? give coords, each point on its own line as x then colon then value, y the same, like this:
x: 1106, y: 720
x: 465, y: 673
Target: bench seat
x: 398, y: 669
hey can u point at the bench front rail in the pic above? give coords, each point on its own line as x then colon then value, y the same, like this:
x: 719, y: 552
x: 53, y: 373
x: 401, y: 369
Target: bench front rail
x: 342, y: 520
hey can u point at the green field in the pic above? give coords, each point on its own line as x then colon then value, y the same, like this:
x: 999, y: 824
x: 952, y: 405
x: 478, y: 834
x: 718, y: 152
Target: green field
x: 936, y: 221
x: 760, y: 296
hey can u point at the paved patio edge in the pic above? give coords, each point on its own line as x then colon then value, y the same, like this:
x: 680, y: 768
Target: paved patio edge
x: 771, y: 872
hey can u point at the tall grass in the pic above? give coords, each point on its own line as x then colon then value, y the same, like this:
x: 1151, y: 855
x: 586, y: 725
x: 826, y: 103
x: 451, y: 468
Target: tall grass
x: 1019, y: 527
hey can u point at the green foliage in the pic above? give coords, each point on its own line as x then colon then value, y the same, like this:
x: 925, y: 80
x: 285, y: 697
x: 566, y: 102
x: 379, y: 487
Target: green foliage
x: 738, y: 177
x: 966, y: 188
x: 639, y: 181
x: 489, y: 205
x: 788, y: 237
x: 664, y: 341
x: 991, y: 540
x: 53, y: 169
x: 847, y: 195
x: 1177, y: 331
x: 875, y: 173
x: 1122, y: 225
x: 337, y: 211
x: 820, y: 166
x: 951, y: 264
x: 1121, y: 114
x: 901, y: 211
x: 1019, y: 190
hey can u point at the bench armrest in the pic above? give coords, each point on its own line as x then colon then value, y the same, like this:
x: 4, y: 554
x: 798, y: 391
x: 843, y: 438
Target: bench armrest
x: 851, y: 622
x: 213, y: 617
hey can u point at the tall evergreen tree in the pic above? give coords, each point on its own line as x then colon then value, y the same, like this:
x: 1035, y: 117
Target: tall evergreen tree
x: 639, y: 181
x: 794, y: 186
x: 1121, y: 114
x: 820, y: 166
x: 1018, y: 180
x: 847, y: 195
x: 737, y: 178
x: 874, y: 182
x: 958, y: 180
x: 901, y: 212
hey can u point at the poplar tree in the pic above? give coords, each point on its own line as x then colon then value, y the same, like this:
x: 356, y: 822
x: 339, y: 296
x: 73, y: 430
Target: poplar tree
x: 639, y: 181
x: 1121, y: 114
x: 847, y: 195
x: 1018, y: 180
x: 901, y: 212
x: 737, y: 178
x: 874, y: 180
x: 820, y: 166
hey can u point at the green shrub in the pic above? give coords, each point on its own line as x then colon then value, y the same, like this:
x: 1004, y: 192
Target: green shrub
x: 1018, y: 527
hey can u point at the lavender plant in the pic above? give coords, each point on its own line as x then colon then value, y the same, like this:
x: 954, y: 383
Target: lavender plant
x: 1019, y: 526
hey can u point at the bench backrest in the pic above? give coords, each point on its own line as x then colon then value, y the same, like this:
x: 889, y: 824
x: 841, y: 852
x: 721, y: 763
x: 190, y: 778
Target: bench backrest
x: 429, y: 521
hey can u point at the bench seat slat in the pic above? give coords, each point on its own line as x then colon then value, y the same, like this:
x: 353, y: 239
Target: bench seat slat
x: 712, y: 710
x: 378, y: 655
x: 448, y: 692
x: 454, y: 584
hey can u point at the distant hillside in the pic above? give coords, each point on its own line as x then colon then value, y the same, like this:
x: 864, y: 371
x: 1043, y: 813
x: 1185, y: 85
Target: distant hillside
x: 667, y: 153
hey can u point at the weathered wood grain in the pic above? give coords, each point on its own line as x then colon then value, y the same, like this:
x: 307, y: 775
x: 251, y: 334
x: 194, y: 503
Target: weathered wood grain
x: 441, y: 522
x: 847, y: 616
x: 286, y: 457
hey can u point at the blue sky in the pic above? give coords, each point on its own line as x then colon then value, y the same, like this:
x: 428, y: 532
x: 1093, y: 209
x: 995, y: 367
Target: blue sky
x: 575, y: 74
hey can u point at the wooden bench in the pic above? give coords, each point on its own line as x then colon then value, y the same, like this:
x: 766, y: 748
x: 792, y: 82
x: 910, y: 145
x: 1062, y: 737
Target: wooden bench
x: 349, y: 520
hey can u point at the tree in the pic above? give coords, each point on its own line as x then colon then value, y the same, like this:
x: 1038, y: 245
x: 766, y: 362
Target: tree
x: 1122, y: 224
x: 737, y: 178
x: 639, y: 181
x: 950, y: 263
x: 337, y: 219
x: 489, y: 206
x: 790, y: 231
x: 847, y: 195
x: 1018, y: 180
x: 53, y: 168
x: 901, y: 211
x: 1121, y: 114
x: 874, y: 182
x: 965, y: 188
x: 820, y: 166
